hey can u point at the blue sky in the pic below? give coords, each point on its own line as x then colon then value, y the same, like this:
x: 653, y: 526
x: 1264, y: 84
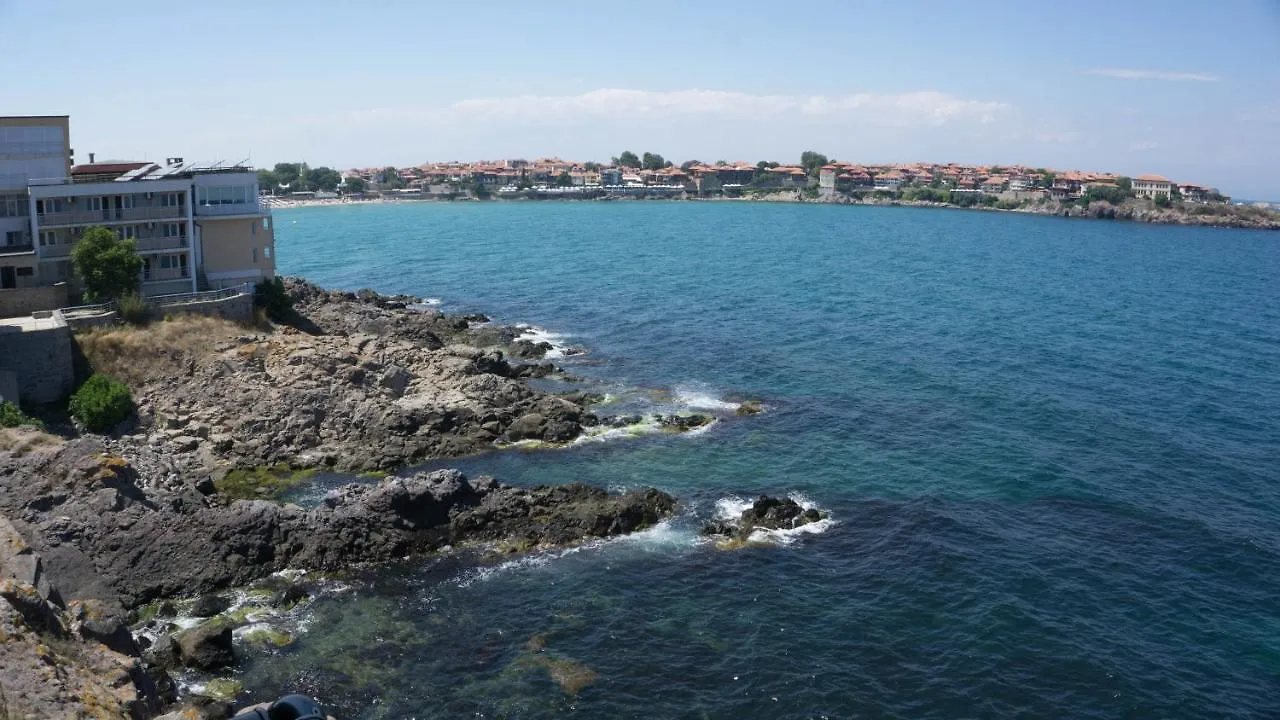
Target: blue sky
x: 1189, y: 90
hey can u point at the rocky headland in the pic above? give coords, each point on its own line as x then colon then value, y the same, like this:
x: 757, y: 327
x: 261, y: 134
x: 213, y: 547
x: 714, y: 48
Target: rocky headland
x: 94, y: 527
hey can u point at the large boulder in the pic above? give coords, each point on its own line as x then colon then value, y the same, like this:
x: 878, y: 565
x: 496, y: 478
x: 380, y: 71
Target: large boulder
x: 207, y: 646
x: 767, y: 513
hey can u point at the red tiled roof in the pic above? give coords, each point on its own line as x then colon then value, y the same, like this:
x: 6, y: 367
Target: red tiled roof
x: 1152, y: 178
x: 103, y: 168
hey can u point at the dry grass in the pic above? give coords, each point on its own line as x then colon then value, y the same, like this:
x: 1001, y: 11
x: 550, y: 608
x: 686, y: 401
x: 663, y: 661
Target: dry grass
x: 21, y: 441
x: 137, y: 354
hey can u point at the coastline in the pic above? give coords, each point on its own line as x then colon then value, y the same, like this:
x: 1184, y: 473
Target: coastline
x: 1231, y: 217
x: 181, y: 506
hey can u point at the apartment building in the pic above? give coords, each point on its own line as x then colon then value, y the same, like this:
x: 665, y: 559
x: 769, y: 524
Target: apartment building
x: 30, y: 147
x: 1151, y: 186
x: 196, y: 226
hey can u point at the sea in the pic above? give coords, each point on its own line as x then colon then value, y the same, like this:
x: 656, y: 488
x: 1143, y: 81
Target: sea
x: 1049, y: 449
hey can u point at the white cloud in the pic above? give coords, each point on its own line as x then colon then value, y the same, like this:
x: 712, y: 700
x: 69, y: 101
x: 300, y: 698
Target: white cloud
x: 1143, y: 146
x: 911, y: 109
x: 1131, y: 74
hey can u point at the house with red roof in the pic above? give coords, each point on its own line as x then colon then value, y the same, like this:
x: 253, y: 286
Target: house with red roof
x: 1152, y: 186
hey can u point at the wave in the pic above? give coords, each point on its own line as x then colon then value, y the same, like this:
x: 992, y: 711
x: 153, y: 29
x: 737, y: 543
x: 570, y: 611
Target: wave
x: 701, y: 399
x: 732, y: 506
x: 535, y: 334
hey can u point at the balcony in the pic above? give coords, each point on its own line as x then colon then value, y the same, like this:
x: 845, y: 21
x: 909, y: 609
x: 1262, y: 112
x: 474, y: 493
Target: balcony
x: 230, y: 209
x: 15, y: 249
x: 96, y: 217
x: 147, y: 244
x: 56, y: 251
x: 162, y: 274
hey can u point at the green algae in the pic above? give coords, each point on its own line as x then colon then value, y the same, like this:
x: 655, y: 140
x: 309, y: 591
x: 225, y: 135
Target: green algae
x: 268, y: 637
x: 265, y: 482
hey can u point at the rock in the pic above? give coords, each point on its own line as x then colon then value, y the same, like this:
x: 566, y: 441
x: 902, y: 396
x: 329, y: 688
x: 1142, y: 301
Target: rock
x: 206, y: 647
x: 682, y: 423
x: 185, y: 443
x: 526, y: 427
x: 768, y: 513
x: 292, y: 594
x: 749, y: 407
x: 209, y: 605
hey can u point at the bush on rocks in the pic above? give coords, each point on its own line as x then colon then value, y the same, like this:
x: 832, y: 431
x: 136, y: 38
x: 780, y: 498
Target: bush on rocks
x: 11, y: 416
x: 101, y: 403
x: 271, y: 296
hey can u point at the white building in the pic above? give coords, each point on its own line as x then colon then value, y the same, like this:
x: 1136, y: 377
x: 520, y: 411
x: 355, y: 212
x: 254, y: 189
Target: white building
x: 1151, y: 186
x: 30, y: 147
x: 187, y: 220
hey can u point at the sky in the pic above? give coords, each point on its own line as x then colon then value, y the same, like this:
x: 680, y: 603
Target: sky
x: 1188, y: 90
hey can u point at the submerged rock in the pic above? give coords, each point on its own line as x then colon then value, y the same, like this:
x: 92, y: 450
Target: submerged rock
x: 766, y: 513
x: 207, y: 647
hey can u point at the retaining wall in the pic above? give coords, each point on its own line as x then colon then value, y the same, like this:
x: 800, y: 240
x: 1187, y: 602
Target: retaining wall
x: 24, y: 301
x: 238, y: 308
x: 41, y: 358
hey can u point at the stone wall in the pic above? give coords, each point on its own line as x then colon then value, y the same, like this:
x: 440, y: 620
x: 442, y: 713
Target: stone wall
x: 41, y: 358
x: 238, y: 308
x: 24, y: 301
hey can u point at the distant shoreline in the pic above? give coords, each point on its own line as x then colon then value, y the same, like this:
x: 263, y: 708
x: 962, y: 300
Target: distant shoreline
x: 1224, y: 216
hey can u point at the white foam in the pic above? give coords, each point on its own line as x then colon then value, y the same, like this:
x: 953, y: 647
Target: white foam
x: 731, y: 508
x: 535, y: 334
x: 604, y: 433
x: 702, y: 400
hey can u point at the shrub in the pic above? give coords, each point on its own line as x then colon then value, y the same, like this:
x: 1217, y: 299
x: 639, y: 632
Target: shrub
x: 133, y: 309
x: 11, y: 416
x: 272, y: 297
x: 101, y: 403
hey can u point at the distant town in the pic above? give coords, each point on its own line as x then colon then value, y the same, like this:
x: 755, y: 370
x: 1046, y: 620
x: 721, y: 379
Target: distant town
x: 650, y: 175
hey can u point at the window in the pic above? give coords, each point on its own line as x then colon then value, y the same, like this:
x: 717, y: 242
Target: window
x: 266, y: 252
x: 224, y: 195
x: 93, y: 203
x: 48, y: 237
x: 253, y: 228
x: 126, y: 202
x: 171, y: 230
x: 13, y: 206
x: 50, y: 205
x: 15, y: 237
x: 128, y: 232
x: 63, y: 270
x: 171, y: 199
x: 25, y: 271
x: 255, y: 254
x: 266, y: 223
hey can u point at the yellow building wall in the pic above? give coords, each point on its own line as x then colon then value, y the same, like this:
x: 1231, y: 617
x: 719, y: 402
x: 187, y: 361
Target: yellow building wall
x: 237, y: 250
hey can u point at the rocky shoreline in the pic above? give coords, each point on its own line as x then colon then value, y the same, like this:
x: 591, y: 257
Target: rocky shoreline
x: 94, y: 527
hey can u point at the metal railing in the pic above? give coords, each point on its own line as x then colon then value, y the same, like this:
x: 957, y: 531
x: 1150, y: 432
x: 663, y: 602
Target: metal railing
x: 89, y: 217
x: 90, y: 309
x: 202, y: 296
x: 173, y: 242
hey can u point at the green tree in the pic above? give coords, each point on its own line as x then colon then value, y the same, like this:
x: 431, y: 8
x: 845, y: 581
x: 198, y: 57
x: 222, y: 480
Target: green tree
x: 628, y: 159
x: 324, y: 178
x: 391, y: 178
x: 564, y: 179
x: 108, y: 266
x: 653, y: 161
x: 1163, y: 200
x: 1114, y: 195
x: 811, y: 161
x: 287, y: 174
x: 354, y: 185
x: 267, y: 181
x: 688, y: 164
x: 1125, y: 184
x: 591, y: 166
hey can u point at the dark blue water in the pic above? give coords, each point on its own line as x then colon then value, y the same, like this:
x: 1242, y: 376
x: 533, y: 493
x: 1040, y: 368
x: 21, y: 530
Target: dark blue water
x: 1051, y: 449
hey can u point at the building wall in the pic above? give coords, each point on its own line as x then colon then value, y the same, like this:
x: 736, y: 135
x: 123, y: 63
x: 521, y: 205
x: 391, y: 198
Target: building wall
x: 24, y: 301
x: 41, y: 358
x: 25, y: 272
x: 237, y: 250
x: 36, y: 147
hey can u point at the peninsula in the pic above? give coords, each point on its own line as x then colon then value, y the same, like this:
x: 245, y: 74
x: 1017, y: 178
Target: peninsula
x: 815, y: 178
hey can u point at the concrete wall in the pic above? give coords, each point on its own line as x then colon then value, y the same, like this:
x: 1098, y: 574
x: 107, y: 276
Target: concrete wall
x: 24, y: 301
x: 41, y: 358
x: 26, y: 275
x: 237, y: 250
x: 238, y: 308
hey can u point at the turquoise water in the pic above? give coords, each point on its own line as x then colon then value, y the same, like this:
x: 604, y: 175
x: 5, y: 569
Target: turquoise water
x: 1050, y: 448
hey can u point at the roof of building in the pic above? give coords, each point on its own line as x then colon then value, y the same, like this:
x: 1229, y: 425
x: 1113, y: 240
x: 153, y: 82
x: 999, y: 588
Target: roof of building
x: 107, y: 167
x: 1152, y: 178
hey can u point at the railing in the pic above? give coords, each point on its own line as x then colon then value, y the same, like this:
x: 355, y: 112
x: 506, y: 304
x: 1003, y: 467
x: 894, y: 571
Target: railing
x: 57, y: 251
x: 203, y: 296
x: 253, y: 208
x: 176, y: 242
x: 89, y: 217
x: 90, y: 309
x: 23, y: 248
x: 163, y: 274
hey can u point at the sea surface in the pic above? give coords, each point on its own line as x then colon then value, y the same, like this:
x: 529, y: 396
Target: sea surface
x: 1050, y: 450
